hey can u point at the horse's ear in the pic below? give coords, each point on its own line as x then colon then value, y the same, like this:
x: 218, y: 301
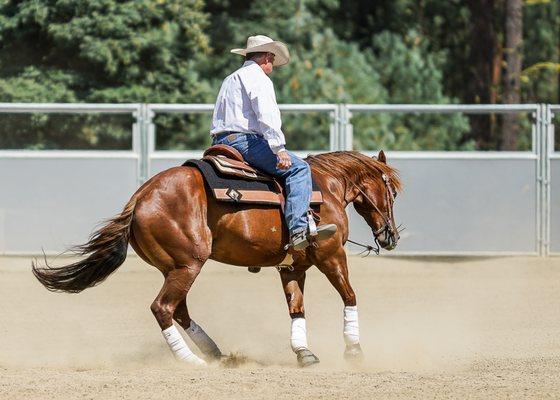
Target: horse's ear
x: 381, y: 157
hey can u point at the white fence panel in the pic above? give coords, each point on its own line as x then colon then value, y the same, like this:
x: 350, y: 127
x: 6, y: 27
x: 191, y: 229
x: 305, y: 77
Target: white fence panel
x: 463, y: 204
x: 54, y: 200
x: 453, y: 203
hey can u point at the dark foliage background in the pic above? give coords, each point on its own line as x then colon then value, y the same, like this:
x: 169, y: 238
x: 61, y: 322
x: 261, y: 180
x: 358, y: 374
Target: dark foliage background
x: 177, y: 51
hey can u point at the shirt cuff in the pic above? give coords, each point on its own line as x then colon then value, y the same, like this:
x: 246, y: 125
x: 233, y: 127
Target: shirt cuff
x: 277, y: 149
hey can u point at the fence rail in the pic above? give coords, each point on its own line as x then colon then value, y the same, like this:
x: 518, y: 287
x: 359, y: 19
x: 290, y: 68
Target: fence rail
x: 519, y: 190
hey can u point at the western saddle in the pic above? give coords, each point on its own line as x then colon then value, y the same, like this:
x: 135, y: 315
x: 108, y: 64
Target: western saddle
x: 229, y: 161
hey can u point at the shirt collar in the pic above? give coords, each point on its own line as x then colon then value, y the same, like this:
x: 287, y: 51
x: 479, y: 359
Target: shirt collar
x: 253, y: 65
x: 248, y: 63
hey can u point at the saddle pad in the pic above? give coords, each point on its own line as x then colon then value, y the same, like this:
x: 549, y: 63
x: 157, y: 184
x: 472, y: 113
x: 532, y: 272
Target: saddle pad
x: 238, y: 190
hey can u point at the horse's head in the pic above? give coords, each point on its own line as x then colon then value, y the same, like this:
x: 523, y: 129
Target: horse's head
x: 374, y: 202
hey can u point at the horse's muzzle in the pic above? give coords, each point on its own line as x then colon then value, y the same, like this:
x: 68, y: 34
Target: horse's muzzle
x: 387, y: 239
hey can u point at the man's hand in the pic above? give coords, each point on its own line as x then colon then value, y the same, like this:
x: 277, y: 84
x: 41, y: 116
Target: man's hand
x: 284, y: 160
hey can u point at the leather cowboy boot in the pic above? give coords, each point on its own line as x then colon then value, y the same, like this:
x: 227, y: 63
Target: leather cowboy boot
x: 301, y: 240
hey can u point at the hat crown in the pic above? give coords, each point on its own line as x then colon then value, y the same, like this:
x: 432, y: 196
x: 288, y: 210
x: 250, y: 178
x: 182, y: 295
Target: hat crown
x: 254, y: 41
x: 262, y: 43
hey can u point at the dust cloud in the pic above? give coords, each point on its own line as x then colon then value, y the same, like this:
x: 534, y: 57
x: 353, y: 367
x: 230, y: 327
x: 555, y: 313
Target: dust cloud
x: 429, y: 327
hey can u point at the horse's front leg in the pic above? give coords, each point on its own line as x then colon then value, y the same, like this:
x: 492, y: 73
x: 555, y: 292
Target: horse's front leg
x: 293, y: 283
x: 335, y: 268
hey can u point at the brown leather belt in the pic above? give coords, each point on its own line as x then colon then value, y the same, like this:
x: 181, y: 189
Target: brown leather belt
x: 227, y: 133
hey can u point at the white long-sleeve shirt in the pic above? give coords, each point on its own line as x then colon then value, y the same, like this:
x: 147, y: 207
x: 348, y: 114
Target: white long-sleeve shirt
x: 247, y: 103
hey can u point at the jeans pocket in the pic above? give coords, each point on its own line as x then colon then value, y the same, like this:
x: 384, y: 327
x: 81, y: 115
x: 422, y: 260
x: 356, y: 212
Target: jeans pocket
x: 237, y: 141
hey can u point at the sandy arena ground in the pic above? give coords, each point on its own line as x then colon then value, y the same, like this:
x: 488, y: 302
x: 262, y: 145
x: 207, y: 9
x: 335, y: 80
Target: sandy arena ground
x: 430, y: 328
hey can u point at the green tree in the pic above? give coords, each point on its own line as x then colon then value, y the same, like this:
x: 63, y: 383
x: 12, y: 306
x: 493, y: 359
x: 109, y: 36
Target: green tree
x: 388, y: 51
x: 99, y: 51
x: 540, y: 79
x: 326, y: 68
x: 411, y: 74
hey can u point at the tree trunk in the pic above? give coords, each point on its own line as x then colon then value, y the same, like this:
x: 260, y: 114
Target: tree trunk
x: 512, y: 86
x: 483, y: 45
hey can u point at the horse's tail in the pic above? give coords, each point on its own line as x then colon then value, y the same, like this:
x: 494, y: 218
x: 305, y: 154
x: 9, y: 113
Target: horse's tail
x: 105, y: 251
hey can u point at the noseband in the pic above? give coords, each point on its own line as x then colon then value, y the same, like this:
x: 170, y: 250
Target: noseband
x: 387, y: 227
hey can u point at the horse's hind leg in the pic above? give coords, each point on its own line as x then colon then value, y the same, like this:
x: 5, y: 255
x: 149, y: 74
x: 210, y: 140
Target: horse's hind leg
x: 293, y: 283
x: 177, y: 283
x: 195, y: 332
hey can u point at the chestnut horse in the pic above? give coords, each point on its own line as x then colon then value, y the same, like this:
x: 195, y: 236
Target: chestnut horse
x: 175, y: 225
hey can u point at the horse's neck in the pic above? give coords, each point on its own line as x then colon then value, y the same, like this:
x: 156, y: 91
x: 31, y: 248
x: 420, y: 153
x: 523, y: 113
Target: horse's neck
x: 343, y: 189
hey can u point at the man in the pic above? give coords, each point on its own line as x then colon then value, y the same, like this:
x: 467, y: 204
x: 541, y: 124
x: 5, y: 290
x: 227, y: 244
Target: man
x: 246, y: 117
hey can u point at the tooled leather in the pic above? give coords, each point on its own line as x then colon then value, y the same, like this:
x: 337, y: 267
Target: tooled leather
x: 225, y: 150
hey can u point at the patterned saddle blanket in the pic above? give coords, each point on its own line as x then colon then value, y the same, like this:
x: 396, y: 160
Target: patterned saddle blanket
x: 231, y: 179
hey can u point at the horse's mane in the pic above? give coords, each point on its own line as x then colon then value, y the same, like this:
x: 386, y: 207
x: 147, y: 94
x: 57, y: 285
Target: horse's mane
x: 353, y: 164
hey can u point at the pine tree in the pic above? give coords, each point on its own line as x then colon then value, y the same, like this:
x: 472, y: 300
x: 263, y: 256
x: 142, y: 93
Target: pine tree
x: 97, y: 51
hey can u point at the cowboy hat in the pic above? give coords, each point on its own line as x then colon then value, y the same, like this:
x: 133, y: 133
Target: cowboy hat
x: 261, y: 43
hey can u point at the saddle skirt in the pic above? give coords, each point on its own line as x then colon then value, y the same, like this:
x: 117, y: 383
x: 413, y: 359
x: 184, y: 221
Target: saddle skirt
x: 231, y: 179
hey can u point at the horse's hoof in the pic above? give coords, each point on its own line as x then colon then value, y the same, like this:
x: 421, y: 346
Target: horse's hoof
x: 353, y: 353
x: 215, y: 356
x: 254, y: 270
x: 306, y: 358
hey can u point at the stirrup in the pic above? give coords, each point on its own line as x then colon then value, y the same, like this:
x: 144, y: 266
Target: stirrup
x: 307, y: 239
x: 299, y: 241
x: 321, y: 233
x: 311, y: 226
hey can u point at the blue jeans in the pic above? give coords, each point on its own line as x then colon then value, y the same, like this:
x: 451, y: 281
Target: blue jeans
x: 296, y: 179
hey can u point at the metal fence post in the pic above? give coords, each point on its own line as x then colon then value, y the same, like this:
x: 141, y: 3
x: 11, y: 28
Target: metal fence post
x: 347, y: 130
x: 138, y: 116
x: 548, y: 139
x: 339, y: 127
x: 544, y: 132
x: 334, y: 128
x: 150, y: 139
x: 144, y: 147
x: 539, y: 149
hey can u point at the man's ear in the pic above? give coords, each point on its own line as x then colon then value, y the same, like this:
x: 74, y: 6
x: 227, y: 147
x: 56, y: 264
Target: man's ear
x: 381, y: 157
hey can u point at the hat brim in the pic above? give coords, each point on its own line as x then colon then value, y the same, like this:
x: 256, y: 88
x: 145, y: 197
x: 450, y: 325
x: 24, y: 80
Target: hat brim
x: 279, y: 49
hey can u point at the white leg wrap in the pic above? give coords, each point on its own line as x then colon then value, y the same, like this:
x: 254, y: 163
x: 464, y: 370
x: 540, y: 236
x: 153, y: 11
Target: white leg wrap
x: 299, y: 334
x: 179, y: 348
x: 351, y: 326
x: 202, y: 340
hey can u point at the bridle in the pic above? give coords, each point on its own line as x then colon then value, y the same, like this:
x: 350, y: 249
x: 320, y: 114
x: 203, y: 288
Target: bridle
x: 390, y: 197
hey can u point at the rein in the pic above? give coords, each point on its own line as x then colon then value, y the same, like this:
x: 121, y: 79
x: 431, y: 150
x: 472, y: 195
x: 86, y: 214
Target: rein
x: 368, y: 248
